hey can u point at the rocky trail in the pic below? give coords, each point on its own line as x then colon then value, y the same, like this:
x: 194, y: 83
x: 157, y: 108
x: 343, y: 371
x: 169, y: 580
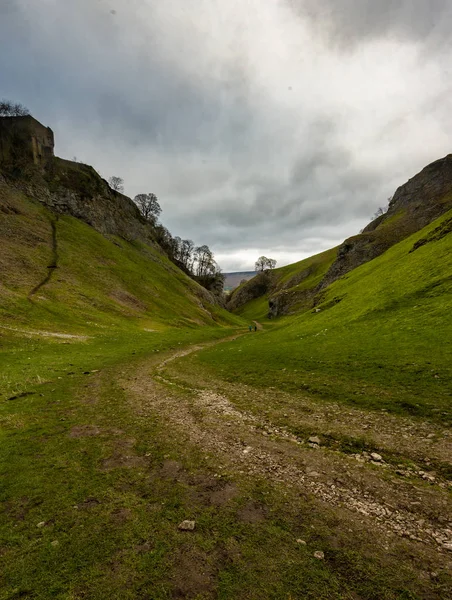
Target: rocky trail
x: 392, y: 491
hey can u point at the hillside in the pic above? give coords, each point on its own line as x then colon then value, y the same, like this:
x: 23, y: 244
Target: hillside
x: 50, y: 261
x: 69, y: 240
x: 414, y: 205
x: 282, y: 291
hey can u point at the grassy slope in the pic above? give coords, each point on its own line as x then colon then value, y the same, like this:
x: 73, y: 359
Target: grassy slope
x: 287, y: 281
x: 382, y: 339
x: 106, y: 282
x: 77, y: 457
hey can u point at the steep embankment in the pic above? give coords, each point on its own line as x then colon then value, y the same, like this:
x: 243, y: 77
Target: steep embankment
x: 59, y: 273
x: 415, y: 204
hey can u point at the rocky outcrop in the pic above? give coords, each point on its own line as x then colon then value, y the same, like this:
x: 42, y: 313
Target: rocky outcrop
x: 284, y: 302
x: 252, y: 289
x: 78, y: 190
x: 415, y: 204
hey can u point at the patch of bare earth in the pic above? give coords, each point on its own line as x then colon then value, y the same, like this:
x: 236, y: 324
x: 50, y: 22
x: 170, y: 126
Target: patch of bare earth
x: 79, y: 431
x: 52, y: 334
x: 246, y: 444
x: 127, y: 300
x: 193, y: 575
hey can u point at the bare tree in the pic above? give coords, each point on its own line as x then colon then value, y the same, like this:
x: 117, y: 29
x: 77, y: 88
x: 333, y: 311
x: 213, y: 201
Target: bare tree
x: 204, y: 260
x: 263, y: 264
x: 11, y: 109
x: 149, y: 206
x: 186, y: 253
x: 382, y: 210
x: 379, y: 212
x: 116, y: 183
x: 271, y: 263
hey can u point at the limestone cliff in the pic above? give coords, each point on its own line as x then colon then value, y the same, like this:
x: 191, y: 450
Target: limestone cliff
x: 415, y: 204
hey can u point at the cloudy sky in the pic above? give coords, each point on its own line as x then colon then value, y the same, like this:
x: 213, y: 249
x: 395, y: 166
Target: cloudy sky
x: 271, y: 127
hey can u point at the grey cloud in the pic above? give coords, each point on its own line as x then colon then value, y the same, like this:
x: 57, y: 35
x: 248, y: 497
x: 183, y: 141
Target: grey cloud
x: 255, y: 132
x: 350, y: 21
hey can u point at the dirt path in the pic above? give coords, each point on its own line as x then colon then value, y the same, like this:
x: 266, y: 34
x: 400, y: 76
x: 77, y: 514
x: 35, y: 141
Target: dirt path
x: 383, y: 496
x: 53, y: 261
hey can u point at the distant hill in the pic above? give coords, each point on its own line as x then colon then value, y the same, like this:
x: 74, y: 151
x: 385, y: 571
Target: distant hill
x: 233, y: 280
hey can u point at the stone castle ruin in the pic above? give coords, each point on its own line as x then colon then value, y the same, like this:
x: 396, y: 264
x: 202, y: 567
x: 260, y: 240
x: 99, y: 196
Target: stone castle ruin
x: 24, y: 139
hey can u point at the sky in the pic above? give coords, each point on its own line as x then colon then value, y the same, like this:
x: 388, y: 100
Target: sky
x: 264, y: 127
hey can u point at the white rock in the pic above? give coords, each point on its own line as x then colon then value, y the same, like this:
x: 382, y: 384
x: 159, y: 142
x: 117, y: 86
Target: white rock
x: 41, y: 524
x: 301, y: 542
x: 314, y: 440
x: 319, y: 554
x: 376, y: 457
x: 187, y: 525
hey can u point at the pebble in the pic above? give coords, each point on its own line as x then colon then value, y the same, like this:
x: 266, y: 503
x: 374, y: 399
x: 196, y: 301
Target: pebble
x: 314, y: 440
x: 319, y: 554
x: 55, y: 543
x: 301, y: 542
x: 187, y: 525
x: 376, y: 457
x: 41, y: 524
x: 247, y: 450
x: 313, y: 474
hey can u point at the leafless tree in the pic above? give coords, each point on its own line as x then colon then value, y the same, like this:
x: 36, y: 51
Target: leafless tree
x: 204, y: 260
x: 149, y: 206
x: 185, y: 255
x: 116, y: 183
x: 263, y: 264
x: 13, y: 109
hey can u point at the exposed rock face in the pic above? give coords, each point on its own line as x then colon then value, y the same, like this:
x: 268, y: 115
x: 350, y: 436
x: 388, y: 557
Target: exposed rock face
x: 24, y: 139
x: 77, y: 190
x: 283, y: 302
x: 420, y: 201
x: 255, y: 288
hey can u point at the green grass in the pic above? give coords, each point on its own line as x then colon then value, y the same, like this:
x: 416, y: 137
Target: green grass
x: 112, y: 532
x: 311, y: 270
x: 381, y: 341
x: 107, y: 283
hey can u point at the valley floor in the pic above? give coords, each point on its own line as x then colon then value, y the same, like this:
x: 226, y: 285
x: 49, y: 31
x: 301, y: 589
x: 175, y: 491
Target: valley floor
x: 101, y: 465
